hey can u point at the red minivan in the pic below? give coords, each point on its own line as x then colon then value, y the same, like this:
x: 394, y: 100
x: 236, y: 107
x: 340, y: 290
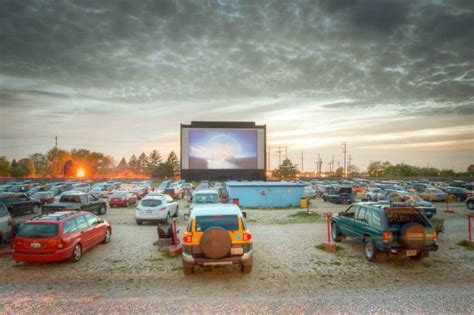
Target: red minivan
x: 59, y: 236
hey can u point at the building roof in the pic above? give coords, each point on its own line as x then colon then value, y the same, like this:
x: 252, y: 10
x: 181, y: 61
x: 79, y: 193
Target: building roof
x: 263, y: 184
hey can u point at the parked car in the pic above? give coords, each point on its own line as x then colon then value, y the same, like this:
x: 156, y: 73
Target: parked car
x: 174, y: 190
x: 163, y: 185
x: 223, y: 194
x: 156, y: 208
x: 19, y: 203
x: 470, y: 203
x: 122, y: 198
x: 342, y: 195
x: 100, y: 192
x: 217, y: 235
x: 36, y: 189
x: 139, y: 192
x: 59, y: 236
x: 6, y: 224
x: 391, y: 230
x: 44, y: 197
x: 204, y: 196
x: 374, y: 194
x: 77, y: 201
x: 400, y: 198
x: 460, y: 193
x: 309, y: 192
x: 19, y: 188
x: 433, y: 194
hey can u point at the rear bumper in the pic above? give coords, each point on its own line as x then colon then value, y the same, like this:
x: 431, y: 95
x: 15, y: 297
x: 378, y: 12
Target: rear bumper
x: 396, y: 249
x: 59, y: 255
x: 155, y: 216
x: 245, y: 259
x: 118, y: 203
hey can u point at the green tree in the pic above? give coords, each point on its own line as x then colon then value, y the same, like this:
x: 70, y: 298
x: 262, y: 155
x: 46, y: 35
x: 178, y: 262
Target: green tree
x: 377, y: 168
x: 142, y: 164
x: 41, y: 163
x: 4, y: 166
x: 134, y: 164
x: 286, y: 170
x: 14, y: 163
x: 470, y: 170
x: 28, y: 165
x: 173, y: 162
x: 154, y: 161
x: 340, y: 171
x: 56, y: 160
x: 18, y: 171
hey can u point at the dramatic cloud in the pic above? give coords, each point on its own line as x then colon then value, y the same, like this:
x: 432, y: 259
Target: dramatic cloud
x: 317, y: 72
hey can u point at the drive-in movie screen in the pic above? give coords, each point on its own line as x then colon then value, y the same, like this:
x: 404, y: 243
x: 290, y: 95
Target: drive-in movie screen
x: 222, y: 149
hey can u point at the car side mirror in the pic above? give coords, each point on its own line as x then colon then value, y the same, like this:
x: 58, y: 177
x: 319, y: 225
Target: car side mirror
x: 186, y: 216
x: 341, y: 213
x: 100, y: 221
x: 244, y: 214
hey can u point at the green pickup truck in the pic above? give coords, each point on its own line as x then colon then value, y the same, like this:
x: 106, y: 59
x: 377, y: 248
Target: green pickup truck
x: 384, y: 229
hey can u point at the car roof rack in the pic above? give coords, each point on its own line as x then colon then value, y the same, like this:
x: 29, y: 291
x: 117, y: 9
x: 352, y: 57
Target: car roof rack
x: 59, y: 215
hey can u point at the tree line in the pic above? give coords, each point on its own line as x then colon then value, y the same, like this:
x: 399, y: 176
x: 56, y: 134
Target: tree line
x: 62, y: 163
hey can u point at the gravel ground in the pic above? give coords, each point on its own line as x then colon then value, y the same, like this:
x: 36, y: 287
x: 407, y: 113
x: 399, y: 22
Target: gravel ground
x: 129, y: 275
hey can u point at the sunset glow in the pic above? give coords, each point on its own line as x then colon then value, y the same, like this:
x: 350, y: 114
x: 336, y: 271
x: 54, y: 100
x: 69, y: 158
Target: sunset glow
x: 80, y: 173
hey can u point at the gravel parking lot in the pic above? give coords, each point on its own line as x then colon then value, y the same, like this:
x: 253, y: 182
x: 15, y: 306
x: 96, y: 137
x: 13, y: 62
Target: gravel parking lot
x: 290, y: 274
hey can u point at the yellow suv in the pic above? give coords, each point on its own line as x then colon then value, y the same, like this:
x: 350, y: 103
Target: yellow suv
x: 217, y: 235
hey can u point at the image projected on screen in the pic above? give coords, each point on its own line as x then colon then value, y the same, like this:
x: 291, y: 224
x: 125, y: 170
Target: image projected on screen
x: 222, y: 149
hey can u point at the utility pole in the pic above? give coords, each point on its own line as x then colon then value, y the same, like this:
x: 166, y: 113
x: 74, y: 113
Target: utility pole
x: 279, y: 151
x: 56, y: 142
x: 286, y: 153
x: 332, y: 164
x: 344, y: 145
x: 302, y: 157
x: 320, y: 164
x: 268, y: 157
x: 349, y: 164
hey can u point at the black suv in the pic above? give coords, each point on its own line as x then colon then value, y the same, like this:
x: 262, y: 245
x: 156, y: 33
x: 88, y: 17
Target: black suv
x: 18, y: 204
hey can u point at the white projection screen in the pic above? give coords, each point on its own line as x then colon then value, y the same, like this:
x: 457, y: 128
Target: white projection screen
x: 222, y: 148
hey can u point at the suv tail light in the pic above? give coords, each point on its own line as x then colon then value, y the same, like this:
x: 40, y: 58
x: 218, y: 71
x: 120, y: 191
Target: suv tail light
x: 433, y: 235
x: 163, y: 209
x: 387, y: 236
x: 187, y: 239
x: 247, y: 236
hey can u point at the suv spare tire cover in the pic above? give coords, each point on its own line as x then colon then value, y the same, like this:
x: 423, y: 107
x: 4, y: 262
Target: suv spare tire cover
x: 215, y: 243
x: 412, y: 235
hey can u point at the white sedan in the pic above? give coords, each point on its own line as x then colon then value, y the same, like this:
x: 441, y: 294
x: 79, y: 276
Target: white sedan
x: 156, y: 208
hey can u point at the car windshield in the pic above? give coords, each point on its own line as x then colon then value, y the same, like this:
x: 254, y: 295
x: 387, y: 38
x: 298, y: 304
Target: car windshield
x: 39, y: 195
x: 227, y: 222
x: 38, y: 230
x: 151, y: 202
x: 206, y: 198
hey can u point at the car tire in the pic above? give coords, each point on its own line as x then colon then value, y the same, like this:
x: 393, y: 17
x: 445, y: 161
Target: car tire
x: 370, y: 251
x: 335, y: 233
x: 470, y: 204
x: 107, y: 236
x: 246, y: 268
x: 35, y: 209
x: 139, y: 222
x: 168, y: 219
x: 102, y: 210
x: 188, y: 269
x: 76, y: 253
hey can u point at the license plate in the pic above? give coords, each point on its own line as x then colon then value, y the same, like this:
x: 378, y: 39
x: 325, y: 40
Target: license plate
x: 236, y: 251
x: 149, y: 211
x: 412, y: 252
x: 35, y: 245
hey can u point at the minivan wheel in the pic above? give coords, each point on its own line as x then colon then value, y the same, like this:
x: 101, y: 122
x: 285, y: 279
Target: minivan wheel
x: 108, y: 235
x: 77, y: 253
x: 369, y: 249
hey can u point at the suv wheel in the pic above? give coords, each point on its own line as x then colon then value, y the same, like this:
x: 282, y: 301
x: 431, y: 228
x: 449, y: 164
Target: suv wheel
x: 76, y: 253
x: 336, y: 235
x: 139, y: 222
x: 188, y: 269
x: 369, y: 249
x: 108, y: 235
x: 102, y: 210
x: 168, y: 219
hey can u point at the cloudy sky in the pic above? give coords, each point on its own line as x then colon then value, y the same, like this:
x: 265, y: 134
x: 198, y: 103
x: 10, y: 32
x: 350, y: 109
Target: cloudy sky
x: 395, y: 79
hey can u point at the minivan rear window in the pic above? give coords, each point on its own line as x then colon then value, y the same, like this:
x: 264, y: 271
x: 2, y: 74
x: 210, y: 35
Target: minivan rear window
x: 151, y: 203
x: 206, y: 198
x: 38, y: 230
x: 227, y: 222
